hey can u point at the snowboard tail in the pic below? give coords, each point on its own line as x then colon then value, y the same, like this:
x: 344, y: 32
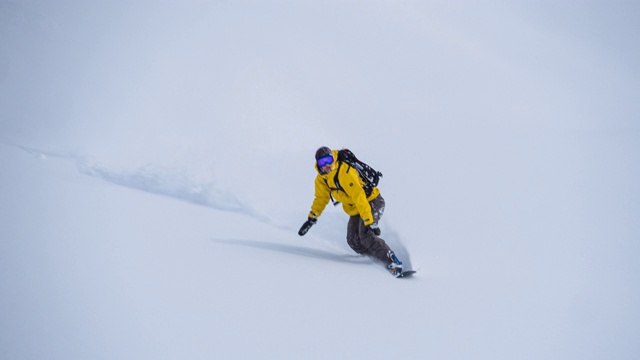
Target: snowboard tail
x: 406, y: 274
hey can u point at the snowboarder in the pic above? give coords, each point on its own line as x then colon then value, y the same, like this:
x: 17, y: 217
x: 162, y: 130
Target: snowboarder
x: 337, y: 180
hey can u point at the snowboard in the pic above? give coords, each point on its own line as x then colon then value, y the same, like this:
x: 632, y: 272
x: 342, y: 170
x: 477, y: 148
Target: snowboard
x: 407, y: 273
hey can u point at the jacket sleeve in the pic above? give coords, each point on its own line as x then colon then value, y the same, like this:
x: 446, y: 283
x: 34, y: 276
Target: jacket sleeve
x: 323, y: 195
x: 350, y: 182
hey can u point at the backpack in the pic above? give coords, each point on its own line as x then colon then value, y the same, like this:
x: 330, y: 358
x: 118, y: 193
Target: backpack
x: 369, y: 175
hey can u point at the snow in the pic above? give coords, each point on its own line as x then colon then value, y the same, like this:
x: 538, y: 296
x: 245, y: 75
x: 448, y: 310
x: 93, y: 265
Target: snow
x: 157, y: 162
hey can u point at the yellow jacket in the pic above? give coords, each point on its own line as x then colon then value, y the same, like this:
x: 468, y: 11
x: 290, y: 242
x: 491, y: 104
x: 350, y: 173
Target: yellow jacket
x: 348, y: 191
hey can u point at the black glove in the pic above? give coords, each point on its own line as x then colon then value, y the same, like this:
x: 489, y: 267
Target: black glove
x: 306, y: 226
x: 374, y: 227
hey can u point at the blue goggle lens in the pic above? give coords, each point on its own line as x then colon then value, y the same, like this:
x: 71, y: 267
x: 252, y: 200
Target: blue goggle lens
x: 323, y: 161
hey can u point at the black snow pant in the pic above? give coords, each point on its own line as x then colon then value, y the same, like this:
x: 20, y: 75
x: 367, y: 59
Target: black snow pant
x: 364, y: 241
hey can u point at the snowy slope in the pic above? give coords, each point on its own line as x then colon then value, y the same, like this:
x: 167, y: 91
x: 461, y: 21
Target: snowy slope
x: 157, y: 161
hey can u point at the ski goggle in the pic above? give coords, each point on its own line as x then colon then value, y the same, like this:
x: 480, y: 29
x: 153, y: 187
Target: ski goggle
x: 326, y: 160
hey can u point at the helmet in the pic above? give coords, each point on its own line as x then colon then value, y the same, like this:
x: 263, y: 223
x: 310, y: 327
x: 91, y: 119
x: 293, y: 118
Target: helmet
x: 322, y: 152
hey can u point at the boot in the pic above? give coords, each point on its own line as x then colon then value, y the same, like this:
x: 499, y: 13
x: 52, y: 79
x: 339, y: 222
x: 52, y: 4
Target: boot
x: 395, y: 265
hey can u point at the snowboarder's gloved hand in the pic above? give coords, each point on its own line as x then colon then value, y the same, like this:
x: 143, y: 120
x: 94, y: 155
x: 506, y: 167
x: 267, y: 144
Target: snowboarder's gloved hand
x: 307, y: 225
x: 374, y: 227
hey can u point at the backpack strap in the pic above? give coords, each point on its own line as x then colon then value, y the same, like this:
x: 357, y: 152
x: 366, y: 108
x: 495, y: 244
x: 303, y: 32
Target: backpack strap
x: 337, y: 188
